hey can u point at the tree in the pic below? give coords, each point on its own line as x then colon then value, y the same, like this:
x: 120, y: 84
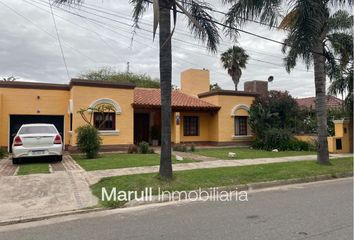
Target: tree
x: 309, y: 25
x: 214, y: 87
x: 277, y: 110
x: 9, y: 79
x: 201, y: 25
x: 233, y: 60
x: 106, y: 74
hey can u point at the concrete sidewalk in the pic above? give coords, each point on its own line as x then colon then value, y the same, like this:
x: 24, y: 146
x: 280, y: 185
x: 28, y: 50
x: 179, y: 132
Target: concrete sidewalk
x: 94, y: 176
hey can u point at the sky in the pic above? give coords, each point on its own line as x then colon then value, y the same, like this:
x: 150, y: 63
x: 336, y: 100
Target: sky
x: 100, y: 34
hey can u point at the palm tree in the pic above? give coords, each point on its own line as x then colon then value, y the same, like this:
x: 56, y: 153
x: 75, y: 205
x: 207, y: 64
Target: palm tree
x: 201, y: 24
x: 233, y: 60
x: 308, y: 24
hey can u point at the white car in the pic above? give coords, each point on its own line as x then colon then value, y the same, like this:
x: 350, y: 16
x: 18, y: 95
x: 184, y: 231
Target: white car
x: 37, y: 140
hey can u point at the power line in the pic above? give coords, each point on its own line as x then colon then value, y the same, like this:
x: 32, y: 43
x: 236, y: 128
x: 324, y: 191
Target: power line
x: 43, y: 30
x: 243, y: 18
x: 73, y: 23
x: 57, y: 32
x: 243, y: 31
x: 179, y: 40
x: 104, y: 11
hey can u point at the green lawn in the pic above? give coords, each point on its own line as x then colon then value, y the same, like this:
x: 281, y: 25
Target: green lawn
x: 33, y: 168
x: 217, y: 177
x: 245, y: 153
x: 121, y: 160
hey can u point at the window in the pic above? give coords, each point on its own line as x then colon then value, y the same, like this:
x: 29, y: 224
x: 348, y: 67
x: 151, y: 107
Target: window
x: 105, y: 121
x: 240, y: 126
x: 71, y: 121
x: 37, y: 129
x: 339, y: 144
x: 191, y: 126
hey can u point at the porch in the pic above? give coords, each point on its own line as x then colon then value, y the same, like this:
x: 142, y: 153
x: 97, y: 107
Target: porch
x: 192, y: 119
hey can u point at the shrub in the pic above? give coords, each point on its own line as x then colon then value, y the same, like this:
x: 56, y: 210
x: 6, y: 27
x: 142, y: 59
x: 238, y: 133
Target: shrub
x: 281, y: 140
x: 180, y: 148
x: 143, y: 147
x: 276, y: 139
x: 3, y: 152
x: 298, y: 145
x: 88, y: 141
x: 132, y: 149
x: 257, y: 144
x: 192, y: 147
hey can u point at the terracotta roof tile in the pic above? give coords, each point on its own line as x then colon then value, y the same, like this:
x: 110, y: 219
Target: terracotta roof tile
x: 144, y: 97
x: 309, y: 102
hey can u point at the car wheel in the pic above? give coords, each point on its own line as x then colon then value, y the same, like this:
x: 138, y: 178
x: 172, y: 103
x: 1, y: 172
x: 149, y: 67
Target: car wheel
x: 59, y: 158
x: 15, y: 160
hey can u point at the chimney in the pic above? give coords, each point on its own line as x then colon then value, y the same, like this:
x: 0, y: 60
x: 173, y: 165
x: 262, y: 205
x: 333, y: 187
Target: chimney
x: 195, y: 81
x: 260, y: 87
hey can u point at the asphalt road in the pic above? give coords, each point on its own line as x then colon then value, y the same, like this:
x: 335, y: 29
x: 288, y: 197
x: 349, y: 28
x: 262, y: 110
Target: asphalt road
x: 309, y: 211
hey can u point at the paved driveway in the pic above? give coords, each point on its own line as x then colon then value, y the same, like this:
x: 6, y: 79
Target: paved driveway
x: 7, y: 168
x: 42, y: 194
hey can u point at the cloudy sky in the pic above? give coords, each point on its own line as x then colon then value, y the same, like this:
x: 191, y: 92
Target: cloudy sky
x: 99, y: 34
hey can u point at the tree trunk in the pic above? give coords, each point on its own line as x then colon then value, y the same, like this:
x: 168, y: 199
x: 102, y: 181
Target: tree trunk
x: 321, y: 108
x: 165, y: 78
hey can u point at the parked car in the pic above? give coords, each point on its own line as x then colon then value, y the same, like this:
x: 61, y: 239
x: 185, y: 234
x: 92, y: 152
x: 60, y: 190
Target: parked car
x: 37, y: 140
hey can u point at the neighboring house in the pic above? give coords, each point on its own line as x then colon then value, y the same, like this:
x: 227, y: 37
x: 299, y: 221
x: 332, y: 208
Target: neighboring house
x: 310, y: 102
x: 199, y: 116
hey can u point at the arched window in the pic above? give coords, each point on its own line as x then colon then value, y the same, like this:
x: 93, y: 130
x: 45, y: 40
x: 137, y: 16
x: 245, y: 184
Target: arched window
x: 240, y: 114
x: 105, y: 121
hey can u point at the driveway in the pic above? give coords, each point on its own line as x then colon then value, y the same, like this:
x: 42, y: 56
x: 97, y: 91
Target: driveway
x: 42, y: 194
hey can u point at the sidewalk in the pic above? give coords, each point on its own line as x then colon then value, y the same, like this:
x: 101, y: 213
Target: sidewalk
x: 94, y: 176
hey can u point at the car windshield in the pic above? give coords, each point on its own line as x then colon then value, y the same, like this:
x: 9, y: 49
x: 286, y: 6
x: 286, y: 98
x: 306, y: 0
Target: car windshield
x: 37, y: 129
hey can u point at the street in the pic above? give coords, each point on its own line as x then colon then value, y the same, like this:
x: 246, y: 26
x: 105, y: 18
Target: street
x: 321, y: 210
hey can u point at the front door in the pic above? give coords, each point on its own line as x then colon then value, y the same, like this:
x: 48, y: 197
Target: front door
x: 141, y: 127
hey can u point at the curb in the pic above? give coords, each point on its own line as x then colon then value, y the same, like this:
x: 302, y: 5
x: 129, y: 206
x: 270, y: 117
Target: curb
x: 134, y: 203
x: 246, y: 187
x: 49, y: 216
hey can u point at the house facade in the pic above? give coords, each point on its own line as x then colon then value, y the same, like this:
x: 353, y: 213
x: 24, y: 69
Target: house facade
x: 198, y: 115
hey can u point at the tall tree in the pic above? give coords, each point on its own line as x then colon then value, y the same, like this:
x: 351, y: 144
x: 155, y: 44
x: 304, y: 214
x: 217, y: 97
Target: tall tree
x: 308, y: 25
x: 201, y: 24
x: 233, y: 60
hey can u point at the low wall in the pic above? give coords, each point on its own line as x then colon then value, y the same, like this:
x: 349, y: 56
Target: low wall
x: 306, y: 137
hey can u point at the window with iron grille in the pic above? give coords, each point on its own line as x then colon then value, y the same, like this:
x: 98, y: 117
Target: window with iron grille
x: 191, y: 125
x: 105, y: 121
x: 240, y: 125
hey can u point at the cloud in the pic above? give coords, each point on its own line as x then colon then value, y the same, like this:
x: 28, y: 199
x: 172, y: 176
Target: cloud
x: 30, y: 50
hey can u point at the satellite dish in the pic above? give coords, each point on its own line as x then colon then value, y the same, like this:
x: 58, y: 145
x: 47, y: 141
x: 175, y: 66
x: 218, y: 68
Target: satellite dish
x: 270, y: 79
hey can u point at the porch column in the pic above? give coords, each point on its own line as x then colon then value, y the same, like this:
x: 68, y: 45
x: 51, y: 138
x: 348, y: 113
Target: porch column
x: 177, y: 127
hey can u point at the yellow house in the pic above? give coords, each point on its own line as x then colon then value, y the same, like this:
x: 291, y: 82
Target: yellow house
x: 199, y: 116
x: 342, y: 141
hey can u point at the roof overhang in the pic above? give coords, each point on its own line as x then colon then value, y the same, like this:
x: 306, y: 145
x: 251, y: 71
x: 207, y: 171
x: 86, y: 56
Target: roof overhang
x: 228, y: 93
x: 178, y: 108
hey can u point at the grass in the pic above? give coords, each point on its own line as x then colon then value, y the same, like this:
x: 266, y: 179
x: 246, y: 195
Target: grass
x: 247, y: 153
x: 121, y: 160
x: 33, y: 168
x: 217, y: 177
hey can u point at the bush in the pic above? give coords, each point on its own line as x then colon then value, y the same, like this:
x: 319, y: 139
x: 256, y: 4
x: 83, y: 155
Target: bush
x: 143, y: 147
x: 132, y: 149
x: 3, y: 152
x: 180, y: 148
x: 276, y: 139
x: 192, y: 148
x: 88, y: 141
x: 281, y: 140
x: 298, y: 145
